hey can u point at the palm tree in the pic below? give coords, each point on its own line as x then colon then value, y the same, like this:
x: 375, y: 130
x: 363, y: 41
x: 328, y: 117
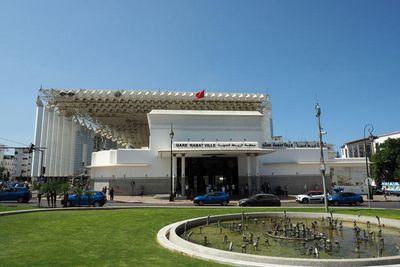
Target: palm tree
x: 2, y: 169
x: 78, y: 192
x: 63, y: 191
x: 46, y: 190
x: 89, y: 194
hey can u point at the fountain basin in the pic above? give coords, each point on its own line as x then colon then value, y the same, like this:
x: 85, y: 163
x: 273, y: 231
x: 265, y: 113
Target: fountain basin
x: 170, y: 237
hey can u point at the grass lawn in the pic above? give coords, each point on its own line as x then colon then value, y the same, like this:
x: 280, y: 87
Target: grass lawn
x: 10, y: 207
x: 108, y: 237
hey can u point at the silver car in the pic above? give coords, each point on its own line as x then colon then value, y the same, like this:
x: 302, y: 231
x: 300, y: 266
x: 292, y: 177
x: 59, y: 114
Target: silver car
x: 312, y: 196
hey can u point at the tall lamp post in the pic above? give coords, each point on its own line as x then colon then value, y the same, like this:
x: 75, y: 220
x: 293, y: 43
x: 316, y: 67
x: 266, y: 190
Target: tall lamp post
x: 171, y: 136
x: 322, y: 162
x: 370, y: 128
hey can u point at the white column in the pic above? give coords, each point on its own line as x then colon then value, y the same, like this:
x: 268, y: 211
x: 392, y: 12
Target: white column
x: 59, y: 145
x: 52, y: 154
x: 183, y: 182
x: 174, y: 167
x: 84, y: 148
x: 65, y: 146
x: 257, y: 172
x: 248, y: 172
x: 47, y: 154
x: 38, y: 132
x: 43, y: 140
x: 72, y: 148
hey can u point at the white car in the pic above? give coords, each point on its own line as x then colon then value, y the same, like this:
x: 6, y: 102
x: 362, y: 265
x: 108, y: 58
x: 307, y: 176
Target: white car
x: 313, y: 196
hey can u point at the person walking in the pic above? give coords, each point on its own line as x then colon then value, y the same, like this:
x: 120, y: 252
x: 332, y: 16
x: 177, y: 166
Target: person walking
x: 111, y: 193
x: 268, y: 188
x: 187, y: 191
x: 39, y: 195
x: 141, y: 190
x: 384, y: 193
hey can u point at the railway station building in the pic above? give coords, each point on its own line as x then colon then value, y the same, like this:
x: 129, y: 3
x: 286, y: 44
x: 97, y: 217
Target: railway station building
x: 145, y: 141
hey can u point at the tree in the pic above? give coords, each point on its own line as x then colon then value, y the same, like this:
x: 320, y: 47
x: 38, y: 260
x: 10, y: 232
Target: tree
x: 386, y: 161
x: 89, y: 194
x: 2, y: 170
x: 78, y: 191
x: 64, y: 190
x: 46, y: 190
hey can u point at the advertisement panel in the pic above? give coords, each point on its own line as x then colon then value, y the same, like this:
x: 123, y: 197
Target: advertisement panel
x: 391, y: 186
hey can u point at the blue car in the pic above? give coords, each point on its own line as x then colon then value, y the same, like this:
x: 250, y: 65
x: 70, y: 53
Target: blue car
x: 345, y: 198
x: 96, y: 198
x: 19, y: 194
x: 221, y: 198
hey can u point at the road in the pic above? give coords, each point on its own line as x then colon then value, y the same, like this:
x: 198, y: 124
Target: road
x: 393, y: 203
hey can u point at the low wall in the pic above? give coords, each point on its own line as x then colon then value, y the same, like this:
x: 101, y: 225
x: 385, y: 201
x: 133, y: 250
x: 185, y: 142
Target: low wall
x: 169, y: 237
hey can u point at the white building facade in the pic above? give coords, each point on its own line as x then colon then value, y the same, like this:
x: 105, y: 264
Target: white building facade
x: 357, y: 148
x: 222, y: 141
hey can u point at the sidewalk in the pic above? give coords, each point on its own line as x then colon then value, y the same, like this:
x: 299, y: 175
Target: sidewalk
x: 164, y: 199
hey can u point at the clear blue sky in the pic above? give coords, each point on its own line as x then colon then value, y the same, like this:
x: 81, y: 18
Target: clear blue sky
x: 344, y: 53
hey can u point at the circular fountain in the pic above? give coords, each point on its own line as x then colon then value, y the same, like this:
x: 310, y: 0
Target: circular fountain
x: 283, y: 238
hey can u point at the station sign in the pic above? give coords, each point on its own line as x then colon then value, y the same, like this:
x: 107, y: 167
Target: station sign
x: 298, y: 144
x: 215, y: 145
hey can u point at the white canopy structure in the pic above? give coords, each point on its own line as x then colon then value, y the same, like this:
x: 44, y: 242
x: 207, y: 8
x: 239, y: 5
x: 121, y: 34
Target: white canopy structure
x: 107, y: 119
x: 122, y: 115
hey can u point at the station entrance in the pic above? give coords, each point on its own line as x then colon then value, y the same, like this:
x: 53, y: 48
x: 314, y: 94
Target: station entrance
x: 211, y: 173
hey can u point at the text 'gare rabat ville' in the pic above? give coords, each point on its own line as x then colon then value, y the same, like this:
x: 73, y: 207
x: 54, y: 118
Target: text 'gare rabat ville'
x: 215, y: 145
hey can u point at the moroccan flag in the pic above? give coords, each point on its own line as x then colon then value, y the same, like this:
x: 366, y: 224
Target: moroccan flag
x: 200, y: 95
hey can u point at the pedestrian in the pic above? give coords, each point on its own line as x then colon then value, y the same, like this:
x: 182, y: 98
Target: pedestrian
x: 141, y: 190
x: 285, y: 190
x: 48, y: 198
x: 384, y: 193
x: 268, y: 188
x: 223, y: 188
x: 39, y: 195
x: 178, y: 189
x: 233, y: 188
x: 187, y: 191
x: 53, y: 196
x: 263, y: 188
x: 111, y: 192
x: 246, y: 190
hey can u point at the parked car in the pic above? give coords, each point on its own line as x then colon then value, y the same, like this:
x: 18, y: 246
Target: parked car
x: 91, y: 198
x: 20, y: 194
x: 221, y: 198
x: 312, y: 196
x: 345, y: 198
x: 260, y: 200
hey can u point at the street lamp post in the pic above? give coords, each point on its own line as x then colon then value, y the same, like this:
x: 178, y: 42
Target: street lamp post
x: 321, y: 144
x: 370, y: 128
x: 171, y: 195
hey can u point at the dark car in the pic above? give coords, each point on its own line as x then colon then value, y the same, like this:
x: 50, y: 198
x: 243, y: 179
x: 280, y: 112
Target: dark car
x: 345, y: 198
x: 20, y: 194
x: 260, y: 200
x: 221, y: 198
x: 91, y: 198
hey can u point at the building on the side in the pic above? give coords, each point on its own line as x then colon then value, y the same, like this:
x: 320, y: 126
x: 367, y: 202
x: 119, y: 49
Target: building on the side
x: 3, y: 173
x: 9, y: 165
x: 224, y: 140
x: 357, y: 148
x: 17, y: 165
x: 22, y: 163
